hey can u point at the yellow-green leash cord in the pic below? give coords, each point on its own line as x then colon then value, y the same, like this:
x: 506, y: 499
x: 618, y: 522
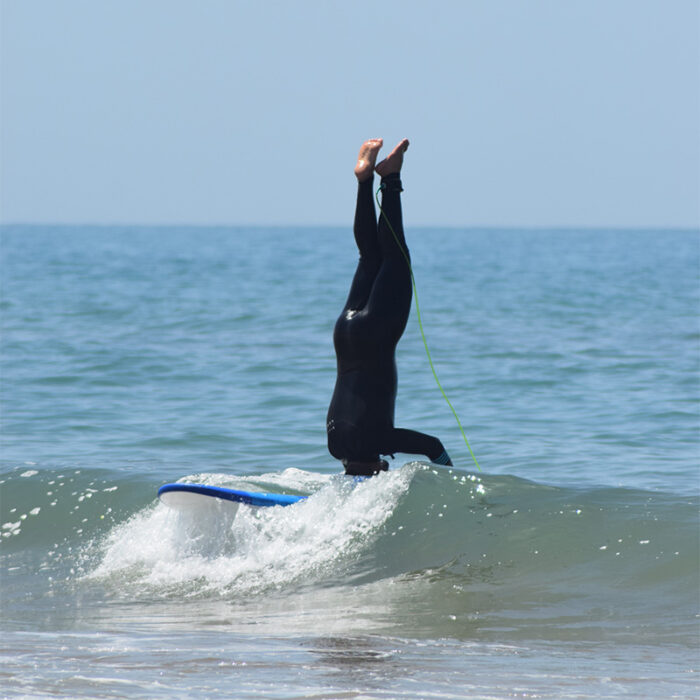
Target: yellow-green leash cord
x: 420, y: 325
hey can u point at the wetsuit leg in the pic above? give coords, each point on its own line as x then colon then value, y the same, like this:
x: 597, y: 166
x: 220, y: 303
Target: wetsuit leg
x: 365, y: 230
x: 390, y: 299
x: 346, y: 440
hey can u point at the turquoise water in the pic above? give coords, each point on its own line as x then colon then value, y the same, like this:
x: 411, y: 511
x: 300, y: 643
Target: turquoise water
x: 567, y: 567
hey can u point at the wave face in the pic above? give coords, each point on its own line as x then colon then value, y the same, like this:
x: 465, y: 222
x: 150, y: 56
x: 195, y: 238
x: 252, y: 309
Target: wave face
x: 434, y: 550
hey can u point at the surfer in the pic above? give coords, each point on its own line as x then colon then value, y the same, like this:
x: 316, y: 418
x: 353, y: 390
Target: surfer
x: 360, y: 422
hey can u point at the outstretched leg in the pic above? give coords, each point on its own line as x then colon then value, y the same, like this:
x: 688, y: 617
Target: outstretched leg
x: 365, y: 227
x: 391, y: 236
x: 390, y: 300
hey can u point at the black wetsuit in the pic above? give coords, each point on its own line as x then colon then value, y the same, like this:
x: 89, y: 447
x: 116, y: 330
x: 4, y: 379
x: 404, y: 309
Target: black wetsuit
x: 360, y: 420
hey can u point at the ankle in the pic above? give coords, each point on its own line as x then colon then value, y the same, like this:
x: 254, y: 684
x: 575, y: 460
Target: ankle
x: 392, y: 183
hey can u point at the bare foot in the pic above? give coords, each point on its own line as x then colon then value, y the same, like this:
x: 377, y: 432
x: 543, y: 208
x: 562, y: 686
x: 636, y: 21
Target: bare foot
x: 367, y: 158
x: 392, y: 163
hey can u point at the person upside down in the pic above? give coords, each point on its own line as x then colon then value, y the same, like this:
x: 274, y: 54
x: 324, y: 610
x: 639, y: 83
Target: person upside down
x: 360, y: 421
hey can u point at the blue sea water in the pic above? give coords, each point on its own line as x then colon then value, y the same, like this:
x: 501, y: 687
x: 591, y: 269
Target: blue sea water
x: 567, y: 567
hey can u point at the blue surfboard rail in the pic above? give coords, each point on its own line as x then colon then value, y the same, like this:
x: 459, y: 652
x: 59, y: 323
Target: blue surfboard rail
x: 251, y: 498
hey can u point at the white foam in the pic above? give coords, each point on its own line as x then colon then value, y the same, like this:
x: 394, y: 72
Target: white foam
x: 245, y: 550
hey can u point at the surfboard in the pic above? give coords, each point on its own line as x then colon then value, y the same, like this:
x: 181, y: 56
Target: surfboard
x: 183, y: 495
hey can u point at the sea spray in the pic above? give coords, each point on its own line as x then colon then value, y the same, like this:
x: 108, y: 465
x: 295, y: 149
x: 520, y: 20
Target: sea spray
x: 224, y: 549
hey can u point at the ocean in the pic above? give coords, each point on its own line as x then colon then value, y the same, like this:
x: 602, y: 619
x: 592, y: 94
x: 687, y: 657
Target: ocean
x: 566, y: 566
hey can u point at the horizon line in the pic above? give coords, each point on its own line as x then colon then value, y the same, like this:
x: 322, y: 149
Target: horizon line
x: 469, y: 227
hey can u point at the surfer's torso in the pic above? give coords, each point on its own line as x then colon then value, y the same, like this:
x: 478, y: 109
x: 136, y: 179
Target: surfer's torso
x: 362, y: 407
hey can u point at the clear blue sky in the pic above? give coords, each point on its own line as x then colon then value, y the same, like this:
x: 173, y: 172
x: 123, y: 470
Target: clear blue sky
x: 520, y: 113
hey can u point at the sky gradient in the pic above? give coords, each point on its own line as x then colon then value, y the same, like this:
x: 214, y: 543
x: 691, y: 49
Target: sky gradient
x: 578, y: 113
